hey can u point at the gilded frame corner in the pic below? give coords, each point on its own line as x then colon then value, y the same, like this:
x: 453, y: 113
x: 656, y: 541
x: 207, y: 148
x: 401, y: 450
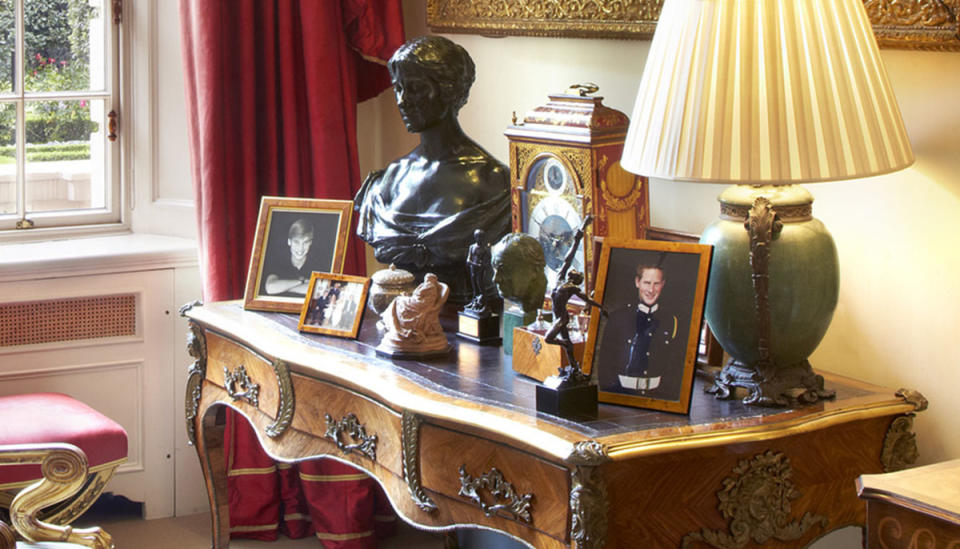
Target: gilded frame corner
x: 903, y: 24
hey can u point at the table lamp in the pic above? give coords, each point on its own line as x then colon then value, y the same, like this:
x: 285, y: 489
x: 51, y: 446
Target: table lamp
x: 765, y: 94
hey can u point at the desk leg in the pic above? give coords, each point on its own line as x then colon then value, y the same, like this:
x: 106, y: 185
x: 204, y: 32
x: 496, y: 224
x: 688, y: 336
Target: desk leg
x: 210, y: 451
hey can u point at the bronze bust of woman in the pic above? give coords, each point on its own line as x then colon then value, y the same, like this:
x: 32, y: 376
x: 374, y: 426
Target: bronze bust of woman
x: 420, y: 212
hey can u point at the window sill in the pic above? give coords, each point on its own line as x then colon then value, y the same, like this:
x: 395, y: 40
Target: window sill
x: 97, y: 255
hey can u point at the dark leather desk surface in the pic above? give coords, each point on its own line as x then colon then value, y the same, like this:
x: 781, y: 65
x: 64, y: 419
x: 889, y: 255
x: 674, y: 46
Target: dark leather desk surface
x: 484, y: 374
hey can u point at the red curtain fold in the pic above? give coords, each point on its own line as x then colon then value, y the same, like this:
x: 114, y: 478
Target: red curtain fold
x: 272, y: 88
x: 271, y: 91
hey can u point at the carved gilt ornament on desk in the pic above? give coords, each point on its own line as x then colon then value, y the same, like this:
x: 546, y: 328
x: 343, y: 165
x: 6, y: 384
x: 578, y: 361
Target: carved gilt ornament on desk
x: 197, y: 348
x: 410, y: 440
x: 349, y: 427
x: 756, y: 502
x: 909, y: 24
x: 492, y: 486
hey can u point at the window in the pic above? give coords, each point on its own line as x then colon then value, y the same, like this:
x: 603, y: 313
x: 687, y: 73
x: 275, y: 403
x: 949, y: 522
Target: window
x: 59, y: 79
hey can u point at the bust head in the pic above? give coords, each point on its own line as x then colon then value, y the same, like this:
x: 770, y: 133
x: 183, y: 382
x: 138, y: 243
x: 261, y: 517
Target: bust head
x: 299, y: 239
x: 518, y: 265
x: 431, y: 79
x: 650, y: 280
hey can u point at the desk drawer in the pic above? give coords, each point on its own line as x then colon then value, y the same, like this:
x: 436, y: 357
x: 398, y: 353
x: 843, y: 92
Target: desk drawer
x: 367, y: 431
x: 459, y: 462
x: 248, y: 378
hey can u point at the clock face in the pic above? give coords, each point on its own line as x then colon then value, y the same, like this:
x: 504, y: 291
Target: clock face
x: 553, y: 214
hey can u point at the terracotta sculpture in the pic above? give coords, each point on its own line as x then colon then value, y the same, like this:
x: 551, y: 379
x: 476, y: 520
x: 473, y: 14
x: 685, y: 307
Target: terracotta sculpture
x: 411, y: 323
x: 420, y: 212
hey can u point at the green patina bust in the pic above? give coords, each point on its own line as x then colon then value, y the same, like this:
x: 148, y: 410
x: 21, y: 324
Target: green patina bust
x: 518, y: 264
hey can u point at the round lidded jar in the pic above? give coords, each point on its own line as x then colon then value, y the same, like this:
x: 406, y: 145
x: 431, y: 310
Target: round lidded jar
x: 388, y: 284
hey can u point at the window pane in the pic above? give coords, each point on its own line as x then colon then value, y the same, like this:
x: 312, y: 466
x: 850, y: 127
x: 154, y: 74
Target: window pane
x: 63, y: 45
x: 8, y: 158
x: 8, y: 44
x: 65, y: 155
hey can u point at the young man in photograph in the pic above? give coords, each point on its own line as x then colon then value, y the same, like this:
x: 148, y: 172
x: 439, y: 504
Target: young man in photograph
x: 654, y: 355
x: 290, y: 275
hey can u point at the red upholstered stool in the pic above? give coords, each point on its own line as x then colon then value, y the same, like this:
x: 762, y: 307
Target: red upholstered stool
x: 79, y: 448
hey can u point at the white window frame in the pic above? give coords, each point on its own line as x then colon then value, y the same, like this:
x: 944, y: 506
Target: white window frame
x: 60, y: 224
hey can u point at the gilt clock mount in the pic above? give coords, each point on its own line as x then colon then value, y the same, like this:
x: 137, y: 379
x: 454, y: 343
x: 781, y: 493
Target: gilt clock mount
x: 564, y: 165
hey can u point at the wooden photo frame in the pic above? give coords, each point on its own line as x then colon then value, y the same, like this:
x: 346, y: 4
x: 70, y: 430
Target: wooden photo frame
x: 295, y: 237
x: 334, y: 305
x: 647, y: 361
x: 710, y: 354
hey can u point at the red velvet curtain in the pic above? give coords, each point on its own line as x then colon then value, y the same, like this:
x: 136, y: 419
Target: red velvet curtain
x: 272, y: 88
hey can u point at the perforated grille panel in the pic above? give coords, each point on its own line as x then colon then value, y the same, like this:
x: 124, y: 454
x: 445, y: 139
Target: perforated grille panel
x: 32, y: 322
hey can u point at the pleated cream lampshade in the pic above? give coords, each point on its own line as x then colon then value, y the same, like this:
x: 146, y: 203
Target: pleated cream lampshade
x: 765, y: 92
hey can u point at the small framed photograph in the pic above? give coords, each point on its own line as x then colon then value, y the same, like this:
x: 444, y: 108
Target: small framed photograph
x: 295, y: 237
x: 644, y: 350
x: 334, y: 305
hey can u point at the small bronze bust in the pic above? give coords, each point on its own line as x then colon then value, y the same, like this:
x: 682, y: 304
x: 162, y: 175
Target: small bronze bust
x: 420, y: 212
x: 518, y: 264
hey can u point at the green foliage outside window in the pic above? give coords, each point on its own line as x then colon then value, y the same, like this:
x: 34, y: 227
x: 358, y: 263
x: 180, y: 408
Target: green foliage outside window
x: 57, y: 51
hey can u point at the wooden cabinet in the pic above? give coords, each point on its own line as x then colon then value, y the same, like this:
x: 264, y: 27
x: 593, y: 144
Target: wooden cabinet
x: 458, y: 443
x: 913, y: 508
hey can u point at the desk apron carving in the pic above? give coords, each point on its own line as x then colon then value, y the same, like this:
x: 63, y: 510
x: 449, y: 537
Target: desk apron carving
x: 286, y: 405
x: 589, y: 503
x: 351, y: 426
x: 410, y: 440
x: 756, y: 501
x: 240, y: 387
x: 900, y: 443
x: 197, y: 348
x: 516, y: 506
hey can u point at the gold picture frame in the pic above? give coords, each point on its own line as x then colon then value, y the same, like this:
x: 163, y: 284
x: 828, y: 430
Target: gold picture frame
x: 278, y: 277
x: 643, y: 349
x: 334, y: 305
x: 905, y: 24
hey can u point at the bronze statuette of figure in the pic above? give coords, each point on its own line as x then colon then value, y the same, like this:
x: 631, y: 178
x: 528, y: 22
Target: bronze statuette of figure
x: 570, y: 392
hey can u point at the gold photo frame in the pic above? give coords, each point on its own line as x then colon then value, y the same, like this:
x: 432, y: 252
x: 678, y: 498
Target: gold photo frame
x: 907, y: 24
x: 643, y: 350
x: 295, y: 237
x: 334, y: 305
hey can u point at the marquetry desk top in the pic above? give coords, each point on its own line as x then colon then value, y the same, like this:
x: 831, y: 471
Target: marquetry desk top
x: 475, y: 393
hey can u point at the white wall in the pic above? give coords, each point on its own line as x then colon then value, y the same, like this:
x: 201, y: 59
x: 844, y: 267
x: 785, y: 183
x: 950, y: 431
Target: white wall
x: 162, y: 199
x: 897, y: 323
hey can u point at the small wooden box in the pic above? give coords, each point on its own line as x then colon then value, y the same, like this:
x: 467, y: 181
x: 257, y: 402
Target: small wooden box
x: 534, y: 358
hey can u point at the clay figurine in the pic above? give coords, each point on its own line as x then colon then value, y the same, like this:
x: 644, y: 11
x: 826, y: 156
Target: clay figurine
x: 412, y: 324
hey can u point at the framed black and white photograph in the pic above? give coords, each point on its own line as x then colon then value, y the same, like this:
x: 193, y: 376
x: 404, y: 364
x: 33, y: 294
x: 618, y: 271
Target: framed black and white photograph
x: 643, y: 352
x: 335, y: 305
x: 295, y: 237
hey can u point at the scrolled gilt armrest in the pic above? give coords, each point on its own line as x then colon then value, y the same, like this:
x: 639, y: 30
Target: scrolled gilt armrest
x: 64, y: 468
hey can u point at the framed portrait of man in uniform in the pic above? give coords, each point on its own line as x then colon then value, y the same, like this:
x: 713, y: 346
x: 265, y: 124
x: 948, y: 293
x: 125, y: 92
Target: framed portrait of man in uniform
x: 295, y: 238
x: 643, y: 352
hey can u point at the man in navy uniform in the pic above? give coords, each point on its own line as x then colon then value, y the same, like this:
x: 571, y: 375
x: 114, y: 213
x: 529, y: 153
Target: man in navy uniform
x: 652, y: 354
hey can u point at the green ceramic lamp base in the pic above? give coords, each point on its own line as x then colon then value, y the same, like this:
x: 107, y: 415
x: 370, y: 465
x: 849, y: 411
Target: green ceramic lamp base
x: 774, y: 284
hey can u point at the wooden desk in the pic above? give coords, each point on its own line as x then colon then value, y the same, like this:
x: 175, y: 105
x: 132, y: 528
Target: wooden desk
x: 431, y: 432
x: 913, y: 508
